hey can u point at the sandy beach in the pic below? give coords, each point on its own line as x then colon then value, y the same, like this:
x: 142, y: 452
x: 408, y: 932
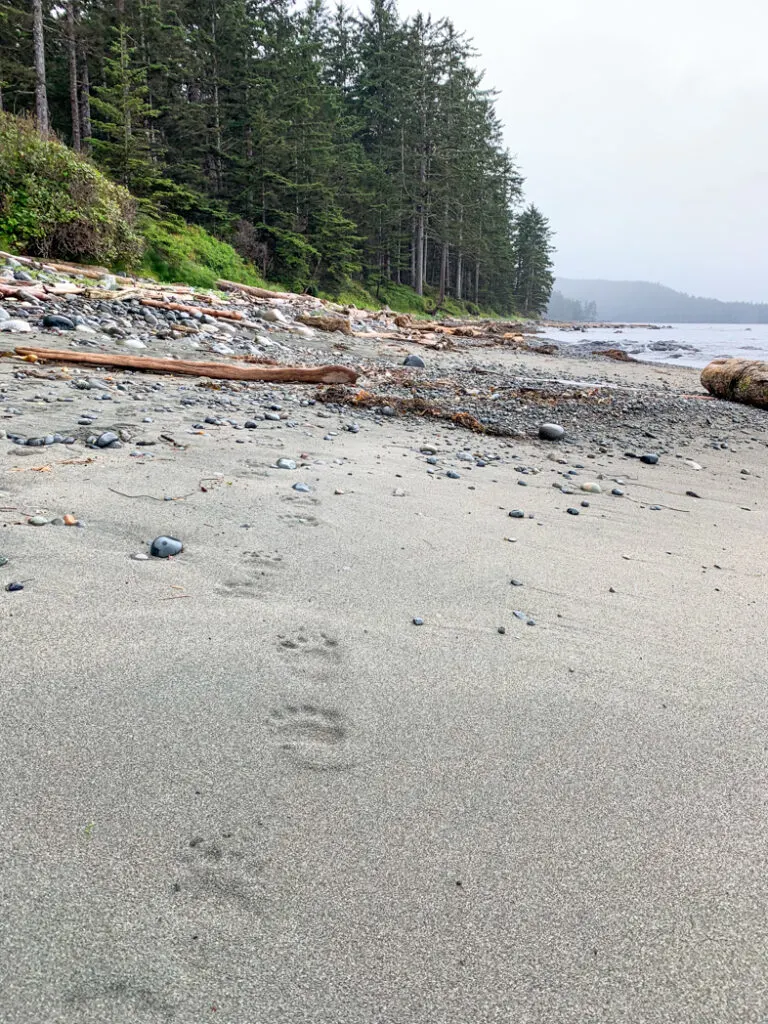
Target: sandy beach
x: 241, y: 785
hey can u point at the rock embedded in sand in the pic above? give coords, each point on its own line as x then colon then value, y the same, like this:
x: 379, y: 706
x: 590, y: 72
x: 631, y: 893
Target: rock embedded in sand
x: 650, y: 459
x: 107, y: 439
x: 165, y: 547
x: 592, y: 488
x: 415, y: 361
x: 38, y: 521
x: 551, y: 432
x: 285, y: 464
x: 572, y: 511
x: 302, y: 488
x: 18, y: 326
x: 517, y: 513
x: 63, y: 323
x: 418, y: 622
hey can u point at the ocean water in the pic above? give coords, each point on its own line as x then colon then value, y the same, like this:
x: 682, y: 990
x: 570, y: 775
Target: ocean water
x: 684, y: 344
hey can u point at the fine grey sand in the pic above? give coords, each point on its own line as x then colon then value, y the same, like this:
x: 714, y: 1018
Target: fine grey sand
x: 240, y: 785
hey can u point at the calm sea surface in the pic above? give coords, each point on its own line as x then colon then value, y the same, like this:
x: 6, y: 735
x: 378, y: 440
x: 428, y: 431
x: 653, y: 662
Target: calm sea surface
x: 686, y: 344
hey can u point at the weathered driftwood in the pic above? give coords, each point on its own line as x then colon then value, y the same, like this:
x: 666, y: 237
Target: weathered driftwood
x: 215, y: 371
x: 68, y: 268
x: 16, y: 291
x: 180, y: 307
x: 257, y: 293
x: 738, y: 380
x: 327, y: 323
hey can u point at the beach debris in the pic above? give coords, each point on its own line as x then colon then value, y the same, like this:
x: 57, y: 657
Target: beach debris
x: 216, y: 371
x: 737, y: 380
x: 165, y: 547
x: 329, y: 324
x: 551, y: 432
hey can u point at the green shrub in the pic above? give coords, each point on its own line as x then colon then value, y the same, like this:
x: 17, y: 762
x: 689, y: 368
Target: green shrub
x: 56, y: 204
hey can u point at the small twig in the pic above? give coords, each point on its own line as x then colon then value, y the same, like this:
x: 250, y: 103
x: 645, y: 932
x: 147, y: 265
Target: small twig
x: 671, y: 508
x: 152, y: 497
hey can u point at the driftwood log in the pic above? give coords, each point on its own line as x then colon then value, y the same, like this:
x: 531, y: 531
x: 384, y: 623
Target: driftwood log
x: 327, y: 323
x: 257, y: 293
x: 738, y: 380
x: 180, y: 307
x: 214, y: 371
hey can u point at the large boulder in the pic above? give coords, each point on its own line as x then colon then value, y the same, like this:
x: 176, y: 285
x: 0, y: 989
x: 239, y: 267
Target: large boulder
x: 738, y: 380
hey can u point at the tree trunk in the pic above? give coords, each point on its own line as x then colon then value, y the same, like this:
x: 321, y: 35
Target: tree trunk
x: 420, y: 233
x: 477, y: 283
x: 84, y: 96
x: 74, y: 101
x: 41, y: 95
x: 460, y: 257
x: 443, y: 273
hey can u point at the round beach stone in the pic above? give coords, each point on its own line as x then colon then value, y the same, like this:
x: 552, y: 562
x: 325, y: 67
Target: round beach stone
x: 572, y: 511
x: 164, y: 547
x: 650, y: 459
x: 63, y: 323
x: 415, y: 361
x: 38, y: 521
x: 285, y: 464
x: 517, y: 513
x: 551, y: 432
x: 592, y: 488
x: 17, y: 326
x: 302, y: 488
x: 106, y: 439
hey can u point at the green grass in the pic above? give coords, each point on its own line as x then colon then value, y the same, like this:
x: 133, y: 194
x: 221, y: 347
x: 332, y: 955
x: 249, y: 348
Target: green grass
x: 182, y: 253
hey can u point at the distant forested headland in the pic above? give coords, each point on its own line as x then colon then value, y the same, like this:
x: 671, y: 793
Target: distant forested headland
x: 643, y: 302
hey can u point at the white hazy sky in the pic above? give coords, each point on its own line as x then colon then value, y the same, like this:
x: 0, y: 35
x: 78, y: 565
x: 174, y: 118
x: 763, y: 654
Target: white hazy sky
x: 641, y: 127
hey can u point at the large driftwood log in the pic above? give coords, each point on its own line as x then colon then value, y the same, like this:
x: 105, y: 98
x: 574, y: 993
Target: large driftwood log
x: 257, y: 293
x: 738, y: 380
x: 180, y: 307
x: 215, y: 371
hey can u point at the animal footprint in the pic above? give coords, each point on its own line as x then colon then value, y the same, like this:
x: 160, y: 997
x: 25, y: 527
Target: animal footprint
x: 312, y: 737
x: 299, y: 519
x: 219, y: 871
x: 303, y: 642
x: 261, y: 572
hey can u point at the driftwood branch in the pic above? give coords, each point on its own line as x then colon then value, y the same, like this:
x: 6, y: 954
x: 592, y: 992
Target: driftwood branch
x: 257, y: 293
x: 214, y: 371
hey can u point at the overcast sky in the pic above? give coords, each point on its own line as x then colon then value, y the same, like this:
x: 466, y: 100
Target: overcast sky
x: 641, y: 127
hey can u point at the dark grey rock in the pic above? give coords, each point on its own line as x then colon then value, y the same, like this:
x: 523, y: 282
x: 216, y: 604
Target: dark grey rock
x: 63, y: 323
x: 165, y: 547
x: 107, y: 439
x: 416, y: 361
x: 302, y: 488
x: 22, y: 275
x: 453, y: 475
x: 650, y: 459
x: 572, y: 511
x: 250, y: 424
x: 551, y: 432
x: 517, y: 513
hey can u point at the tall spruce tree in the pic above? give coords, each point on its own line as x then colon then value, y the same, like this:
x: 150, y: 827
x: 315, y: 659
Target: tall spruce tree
x: 533, y: 277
